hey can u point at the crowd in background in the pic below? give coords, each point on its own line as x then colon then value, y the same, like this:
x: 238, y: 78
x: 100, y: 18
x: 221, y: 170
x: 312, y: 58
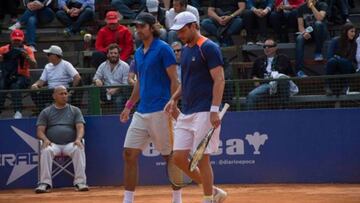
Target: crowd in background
x: 115, y: 43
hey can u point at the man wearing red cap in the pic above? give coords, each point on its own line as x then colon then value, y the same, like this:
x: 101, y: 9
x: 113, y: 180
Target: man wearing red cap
x: 15, y: 61
x: 113, y: 32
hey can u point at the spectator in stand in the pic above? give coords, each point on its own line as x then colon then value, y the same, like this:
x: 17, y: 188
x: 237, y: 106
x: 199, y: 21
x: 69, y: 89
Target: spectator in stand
x: 113, y: 32
x: 284, y: 17
x: 178, y: 7
x: 37, y: 11
x: 270, y: 65
x: 177, y: 47
x: 110, y: 73
x: 310, y: 15
x: 123, y: 7
x: 15, y: 61
x: 57, y: 72
x: 152, y: 7
x: 224, y: 20
x: 74, y: 14
x: 341, y: 57
x: 343, y: 7
x: 256, y: 16
x: 9, y: 7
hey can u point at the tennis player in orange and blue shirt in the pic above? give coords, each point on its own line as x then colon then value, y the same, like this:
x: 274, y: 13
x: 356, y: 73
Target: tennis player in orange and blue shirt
x: 201, y: 91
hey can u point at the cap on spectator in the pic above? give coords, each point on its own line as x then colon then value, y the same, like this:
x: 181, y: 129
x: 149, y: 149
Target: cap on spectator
x: 17, y: 35
x: 182, y: 19
x: 54, y: 50
x: 152, y: 5
x: 112, y: 17
x: 145, y: 18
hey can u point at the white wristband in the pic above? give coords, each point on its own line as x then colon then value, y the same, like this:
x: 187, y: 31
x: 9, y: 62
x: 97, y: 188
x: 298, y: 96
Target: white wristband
x: 214, y: 108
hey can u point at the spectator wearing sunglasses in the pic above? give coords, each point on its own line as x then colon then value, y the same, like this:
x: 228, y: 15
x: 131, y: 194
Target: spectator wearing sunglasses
x: 177, y: 46
x: 265, y: 67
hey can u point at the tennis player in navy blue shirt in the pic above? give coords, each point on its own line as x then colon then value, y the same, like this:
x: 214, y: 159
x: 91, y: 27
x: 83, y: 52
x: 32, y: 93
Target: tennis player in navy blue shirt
x: 201, y: 91
x: 155, y: 67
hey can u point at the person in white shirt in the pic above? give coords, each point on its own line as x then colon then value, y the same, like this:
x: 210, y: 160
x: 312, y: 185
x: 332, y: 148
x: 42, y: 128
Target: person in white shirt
x: 57, y: 72
x: 178, y: 7
x: 110, y: 73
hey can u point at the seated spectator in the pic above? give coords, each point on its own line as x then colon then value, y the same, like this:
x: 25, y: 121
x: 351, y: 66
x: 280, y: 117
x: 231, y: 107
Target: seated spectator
x: 113, y: 32
x: 152, y: 7
x: 284, y: 17
x: 9, y: 7
x: 177, y: 47
x: 57, y: 72
x: 61, y: 135
x: 74, y: 14
x: 341, y: 58
x: 132, y: 76
x: 123, y: 7
x: 178, y: 7
x: 256, y: 16
x: 342, y: 7
x: 36, y: 12
x: 310, y: 14
x: 110, y: 73
x: 224, y: 20
x: 271, y: 65
x: 15, y: 61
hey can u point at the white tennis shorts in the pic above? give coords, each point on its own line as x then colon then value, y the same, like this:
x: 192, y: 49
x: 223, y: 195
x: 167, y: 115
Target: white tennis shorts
x: 149, y: 127
x: 191, y: 129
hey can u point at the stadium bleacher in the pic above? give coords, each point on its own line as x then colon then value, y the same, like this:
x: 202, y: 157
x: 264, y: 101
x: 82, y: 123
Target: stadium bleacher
x: 240, y: 57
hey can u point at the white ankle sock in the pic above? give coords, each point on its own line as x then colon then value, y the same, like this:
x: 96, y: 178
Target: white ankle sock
x: 176, y: 196
x: 128, y: 196
x: 208, y: 199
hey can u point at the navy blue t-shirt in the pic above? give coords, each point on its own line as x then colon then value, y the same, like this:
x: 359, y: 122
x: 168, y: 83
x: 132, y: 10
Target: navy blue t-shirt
x: 155, y: 90
x: 196, y: 81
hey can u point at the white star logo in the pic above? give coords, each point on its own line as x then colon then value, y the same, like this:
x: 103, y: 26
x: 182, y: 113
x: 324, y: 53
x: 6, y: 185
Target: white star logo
x: 22, y: 168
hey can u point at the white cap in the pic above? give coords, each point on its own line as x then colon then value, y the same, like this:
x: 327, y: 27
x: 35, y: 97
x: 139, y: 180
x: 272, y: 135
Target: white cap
x: 54, y: 50
x: 182, y: 19
x: 152, y: 6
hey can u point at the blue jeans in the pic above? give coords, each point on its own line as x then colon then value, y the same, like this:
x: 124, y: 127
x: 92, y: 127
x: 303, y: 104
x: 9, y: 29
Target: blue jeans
x: 123, y: 7
x: 253, y: 22
x: 20, y: 82
x: 223, y: 33
x: 338, y: 65
x: 32, y: 18
x: 262, y: 93
x: 74, y: 24
x: 343, y: 6
x: 319, y: 35
x: 281, y: 20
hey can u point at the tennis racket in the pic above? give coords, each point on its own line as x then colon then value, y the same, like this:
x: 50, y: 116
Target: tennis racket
x: 176, y: 176
x: 199, y: 152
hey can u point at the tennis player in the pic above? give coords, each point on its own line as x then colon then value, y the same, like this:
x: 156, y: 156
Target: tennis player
x: 201, y: 91
x: 155, y: 66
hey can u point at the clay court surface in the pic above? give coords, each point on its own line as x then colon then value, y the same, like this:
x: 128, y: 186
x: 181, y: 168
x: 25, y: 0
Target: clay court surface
x: 255, y: 193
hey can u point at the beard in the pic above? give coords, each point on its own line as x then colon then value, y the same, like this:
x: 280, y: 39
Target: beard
x: 114, y: 60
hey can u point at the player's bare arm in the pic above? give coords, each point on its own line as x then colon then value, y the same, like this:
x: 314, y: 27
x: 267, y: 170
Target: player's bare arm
x: 135, y: 94
x: 218, y: 77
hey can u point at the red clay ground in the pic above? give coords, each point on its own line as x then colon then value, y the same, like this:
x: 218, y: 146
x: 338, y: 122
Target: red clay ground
x: 256, y: 193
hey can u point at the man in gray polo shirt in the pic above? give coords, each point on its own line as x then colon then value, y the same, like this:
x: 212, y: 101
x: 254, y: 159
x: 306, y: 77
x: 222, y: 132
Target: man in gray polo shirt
x: 113, y: 71
x: 61, y: 128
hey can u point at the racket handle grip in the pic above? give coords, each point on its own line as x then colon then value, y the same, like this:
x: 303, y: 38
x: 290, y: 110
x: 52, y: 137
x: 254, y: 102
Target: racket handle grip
x: 223, y: 110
